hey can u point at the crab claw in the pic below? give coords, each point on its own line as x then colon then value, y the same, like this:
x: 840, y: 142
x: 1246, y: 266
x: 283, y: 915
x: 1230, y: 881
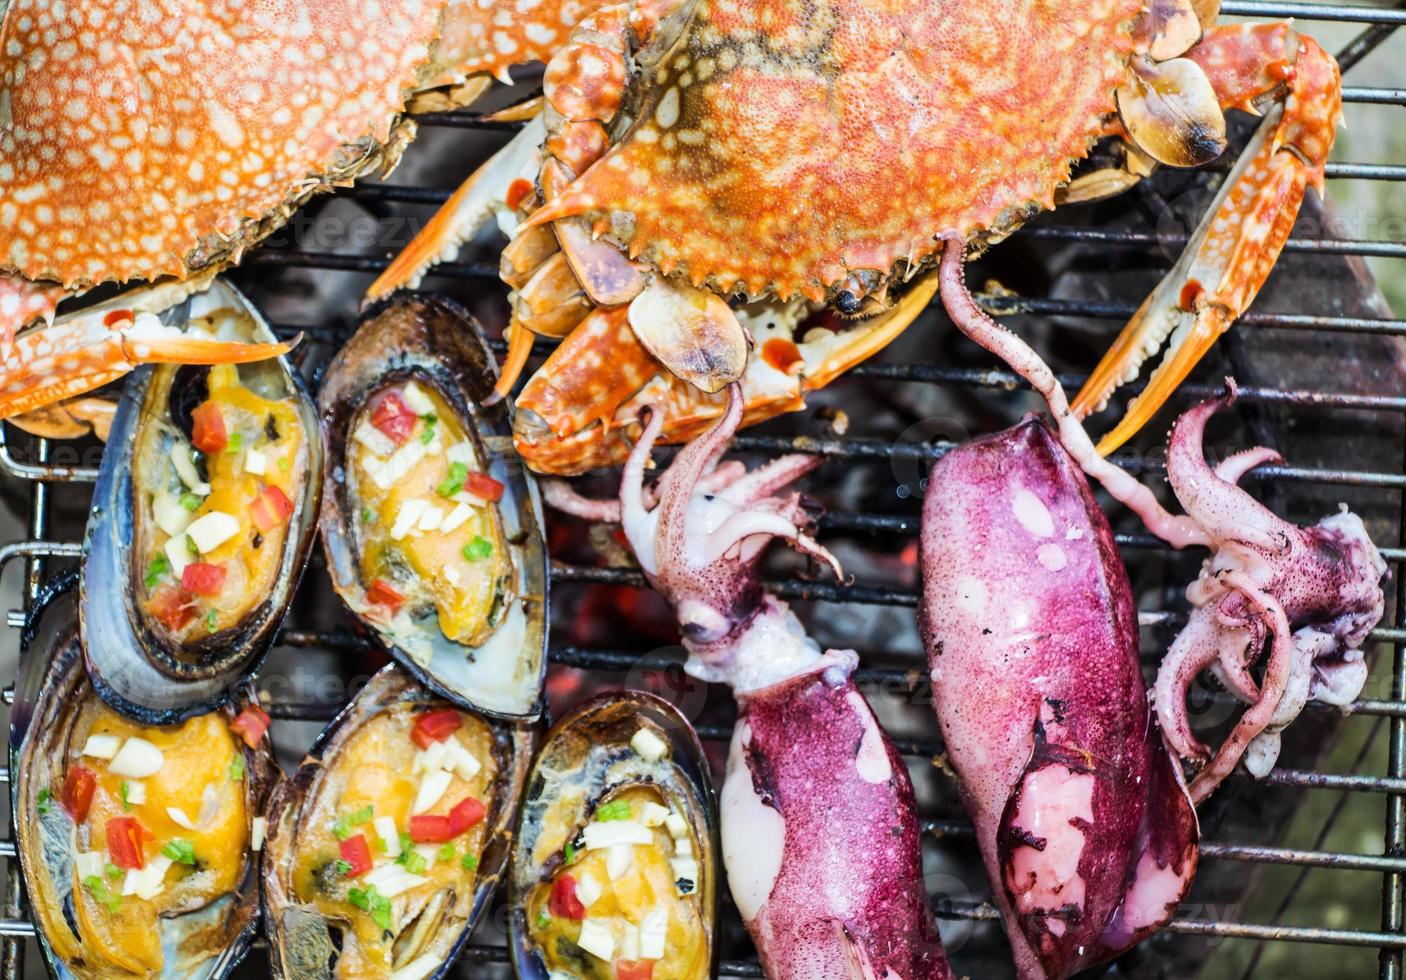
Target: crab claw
x: 692, y: 332
x: 86, y: 350
x: 23, y: 301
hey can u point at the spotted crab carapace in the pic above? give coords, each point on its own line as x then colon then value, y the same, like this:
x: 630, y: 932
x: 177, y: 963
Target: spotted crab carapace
x: 819, y: 824
x: 802, y: 153
x: 158, y: 144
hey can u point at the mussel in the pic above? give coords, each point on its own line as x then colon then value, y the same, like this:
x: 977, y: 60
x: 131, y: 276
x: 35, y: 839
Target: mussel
x: 432, y: 529
x: 613, y: 874
x: 387, y: 843
x: 203, y: 517
x: 137, y: 843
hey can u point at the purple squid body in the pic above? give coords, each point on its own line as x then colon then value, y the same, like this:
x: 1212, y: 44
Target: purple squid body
x: 1084, y: 824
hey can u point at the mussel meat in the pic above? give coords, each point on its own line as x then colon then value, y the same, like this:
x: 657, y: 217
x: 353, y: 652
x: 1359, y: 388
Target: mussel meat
x: 432, y: 528
x: 137, y: 843
x: 614, y: 871
x: 203, y: 518
x: 386, y: 844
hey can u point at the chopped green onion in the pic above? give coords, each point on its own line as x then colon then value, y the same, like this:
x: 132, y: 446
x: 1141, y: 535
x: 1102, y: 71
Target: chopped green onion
x: 45, y: 800
x: 412, y: 861
x: 156, y: 570
x: 406, y: 844
x: 544, y: 919
x: 113, y: 871
x: 570, y: 852
x: 614, y: 810
x: 211, y: 621
x: 367, y: 515
x: 191, y: 545
x: 190, y: 502
x: 236, y: 769
x: 446, y: 852
x: 180, y: 851
x: 343, y: 867
x: 283, y: 464
x: 342, y: 827
x: 368, y: 900
x: 98, y: 887
x: 427, y: 433
x: 469, y: 862
x: 454, y: 482
x: 236, y: 442
x: 122, y: 792
x: 478, y: 549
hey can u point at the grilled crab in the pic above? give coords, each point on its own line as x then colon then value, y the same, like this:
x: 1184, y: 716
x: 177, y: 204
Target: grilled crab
x: 161, y: 143
x: 697, y: 150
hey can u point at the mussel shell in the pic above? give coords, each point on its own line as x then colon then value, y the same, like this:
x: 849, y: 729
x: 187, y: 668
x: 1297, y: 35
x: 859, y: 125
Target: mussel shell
x: 50, y: 690
x: 285, y: 920
x: 439, y: 345
x: 135, y: 666
x: 588, y: 754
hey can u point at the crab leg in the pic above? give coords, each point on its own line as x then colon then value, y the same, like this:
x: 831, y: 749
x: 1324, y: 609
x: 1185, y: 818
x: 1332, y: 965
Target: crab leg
x: 75, y: 355
x: 1232, y: 251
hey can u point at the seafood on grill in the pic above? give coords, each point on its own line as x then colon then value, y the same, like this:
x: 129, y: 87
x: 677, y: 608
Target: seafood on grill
x: 431, y: 527
x: 820, y: 836
x: 159, y: 148
x: 137, y: 843
x: 204, y: 515
x: 1313, y: 593
x: 614, y: 869
x: 1083, y: 820
x: 386, y: 844
x: 697, y: 151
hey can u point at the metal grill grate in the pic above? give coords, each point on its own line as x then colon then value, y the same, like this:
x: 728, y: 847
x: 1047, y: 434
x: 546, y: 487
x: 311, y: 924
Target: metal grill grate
x: 32, y: 462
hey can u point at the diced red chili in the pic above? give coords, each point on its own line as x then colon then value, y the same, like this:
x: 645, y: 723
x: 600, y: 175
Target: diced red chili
x: 783, y: 355
x: 172, y: 607
x: 393, y: 417
x: 429, y: 828
x: 250, y: 724
x: 270, y: 509
x: 518, y: 191
x: 208, y: 432
x: 484, y: 487
x: 563, y: 902
x: 634, y: 970
x: 125, y: 836
x: 434, y: 727
x: 382, y: 593
x: 77, y: 793
x: 203, y: 578
x: 464, y: 815
x: 357, y: 853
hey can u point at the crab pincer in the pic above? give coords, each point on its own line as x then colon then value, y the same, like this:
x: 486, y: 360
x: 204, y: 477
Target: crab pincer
x: 811, y: 774
x: 1084, y: 823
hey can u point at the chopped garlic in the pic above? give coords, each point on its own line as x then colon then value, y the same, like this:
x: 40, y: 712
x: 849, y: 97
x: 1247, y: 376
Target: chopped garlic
x: 178, y: 817
x: 400, y: 464
x: 255, y: 463
x: 373, y: 439
x: 597, y: 938
x: 137, y: 759
x: 630, y: 943
x: 456, y: 517
x: 460, y: 452
x: 653, y: 814
x: 431, y: 519
x: 418, y: 968
x: 178, y: 554
x: 460, y: 760
x: 212, y: 530
x: 407, y: 517
x: 185, y: 469
x: 431, y: 758
x: 619, y: 859
x: 649, y: 745
x: 386, y: 830
x: 588, y: 889
x: 257, y: 834
x: 653, y: 930
x: 148, y: 882
x: 102, y: 746
x: 88, y: 864
x: 130, y: 882
x: 209, y: 806
x: 452, y: 575
x: 394, y: 884
x: 469, y: 499
x: 136, y: 793
x: 416, y: 400
x: 168, y: 512
x: 686, y: 868
x: 432, y: 788
x: 677, y: 826
x: 683, y: 846
x: 597, y: 834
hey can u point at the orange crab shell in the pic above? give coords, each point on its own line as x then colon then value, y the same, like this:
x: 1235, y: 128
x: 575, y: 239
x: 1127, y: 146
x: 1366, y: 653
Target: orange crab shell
x: 902, y: 120
x: 150, y: 142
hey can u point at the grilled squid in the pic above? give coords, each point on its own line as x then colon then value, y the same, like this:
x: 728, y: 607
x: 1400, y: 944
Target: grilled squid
x: 1084, y: 824
x: 1311, y: 593
x: 810, y: 776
